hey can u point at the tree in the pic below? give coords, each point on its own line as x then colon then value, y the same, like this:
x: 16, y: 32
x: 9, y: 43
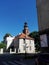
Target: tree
x: 7, y: 35
x: 35, y: 35
x: 2, y: 45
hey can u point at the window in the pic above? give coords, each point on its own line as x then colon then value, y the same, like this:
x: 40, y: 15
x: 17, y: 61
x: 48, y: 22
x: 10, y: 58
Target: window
x: 24, y: 40
x: 19, y: 50
x: 24, y: 47
x: 30, y: 47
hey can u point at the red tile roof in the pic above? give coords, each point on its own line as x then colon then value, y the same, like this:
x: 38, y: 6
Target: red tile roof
x: 22, y: 35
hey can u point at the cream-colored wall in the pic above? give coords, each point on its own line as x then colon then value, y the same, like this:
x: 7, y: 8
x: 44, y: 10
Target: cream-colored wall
x: 30, y: 43
x: 21, y: 43
x: 9, y: 41
x: 33, y: 46
x: 27, y: 45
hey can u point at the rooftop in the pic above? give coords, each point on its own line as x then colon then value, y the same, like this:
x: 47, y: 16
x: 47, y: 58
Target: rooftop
x: 22, y: 35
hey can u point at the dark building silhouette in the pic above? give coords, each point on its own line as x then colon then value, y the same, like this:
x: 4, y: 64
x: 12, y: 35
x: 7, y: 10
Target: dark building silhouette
x: 43, y: 23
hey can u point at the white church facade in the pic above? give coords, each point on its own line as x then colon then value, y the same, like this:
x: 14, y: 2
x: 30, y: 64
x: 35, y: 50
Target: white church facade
x: 22, y: 42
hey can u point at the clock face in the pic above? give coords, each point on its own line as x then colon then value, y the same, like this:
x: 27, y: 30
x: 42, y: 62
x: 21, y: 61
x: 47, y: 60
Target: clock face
x: 43, y: 40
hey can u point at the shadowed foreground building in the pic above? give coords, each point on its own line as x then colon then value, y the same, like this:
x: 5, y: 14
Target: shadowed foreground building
x: 22, y: 42
x: 43, y: 21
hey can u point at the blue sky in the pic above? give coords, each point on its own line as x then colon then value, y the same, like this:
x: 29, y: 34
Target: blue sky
x: 13, y: 14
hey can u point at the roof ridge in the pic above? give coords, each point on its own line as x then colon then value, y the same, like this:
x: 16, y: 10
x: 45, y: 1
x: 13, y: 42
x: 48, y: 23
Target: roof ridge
x: 22, y: 35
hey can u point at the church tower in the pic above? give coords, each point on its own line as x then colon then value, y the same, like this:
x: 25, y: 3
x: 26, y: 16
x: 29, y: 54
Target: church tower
x: 26, y: 30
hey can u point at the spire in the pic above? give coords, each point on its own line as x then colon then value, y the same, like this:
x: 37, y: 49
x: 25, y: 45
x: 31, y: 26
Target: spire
x: 26, y: 31
x: 25, y: 25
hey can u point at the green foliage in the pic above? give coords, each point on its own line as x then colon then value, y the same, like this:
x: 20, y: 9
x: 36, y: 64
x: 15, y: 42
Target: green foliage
x: 2, y: 45
x: 35, y: 35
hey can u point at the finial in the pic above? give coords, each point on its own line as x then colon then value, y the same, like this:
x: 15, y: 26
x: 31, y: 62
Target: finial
x: 25, y: 24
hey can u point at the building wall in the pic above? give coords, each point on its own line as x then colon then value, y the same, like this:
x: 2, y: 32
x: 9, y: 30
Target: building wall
x: 43, y: 22
x: 16, y: 45
x: 43, y: 14
x: 9, y: 41
x: 26, y: 46
x: 21, y: 44
x: 32, y: 46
